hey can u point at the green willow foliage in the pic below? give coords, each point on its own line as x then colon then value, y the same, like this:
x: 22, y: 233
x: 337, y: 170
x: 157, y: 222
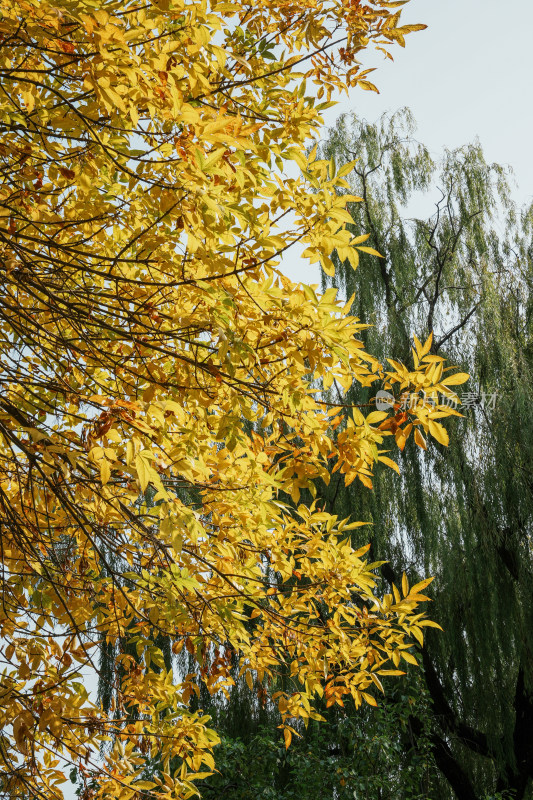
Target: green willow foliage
x: 368, y: 754
x: 465, y: 515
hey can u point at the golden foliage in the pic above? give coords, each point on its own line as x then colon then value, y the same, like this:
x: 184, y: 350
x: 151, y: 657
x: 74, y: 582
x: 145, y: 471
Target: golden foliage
x: 161, y: 380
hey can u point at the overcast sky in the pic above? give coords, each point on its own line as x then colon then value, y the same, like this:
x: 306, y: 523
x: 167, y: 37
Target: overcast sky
x: 468, y: 75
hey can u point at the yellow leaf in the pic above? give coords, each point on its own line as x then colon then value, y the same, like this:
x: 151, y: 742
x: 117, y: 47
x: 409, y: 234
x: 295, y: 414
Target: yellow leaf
x: 419, y: 587
x: 390, y: 672
x: 369, y: 699
x: 423, y: 349
x: 438, y: 432
x: 390, y: 463
x: 429, y: 623
x: 371, y: 251
x: 367, y: 86
x: 376, y: 416
x: 130, y: 452
x: 417, y: 633
x: 353, y: 525
x: 142, y: 472
x: 419, y: 439
x: 105, y: 471
x: 346, y: 169
x: 455, y: 380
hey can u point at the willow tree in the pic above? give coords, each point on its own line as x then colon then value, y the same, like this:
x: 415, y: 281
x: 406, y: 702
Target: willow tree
x: 463, y: 272
x: 150, y: 347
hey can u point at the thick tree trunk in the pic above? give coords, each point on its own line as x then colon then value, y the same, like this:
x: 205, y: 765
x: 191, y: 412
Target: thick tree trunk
x: 516, y: 781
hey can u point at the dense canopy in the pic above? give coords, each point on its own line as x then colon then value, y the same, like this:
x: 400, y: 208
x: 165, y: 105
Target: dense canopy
x: 161, y: 407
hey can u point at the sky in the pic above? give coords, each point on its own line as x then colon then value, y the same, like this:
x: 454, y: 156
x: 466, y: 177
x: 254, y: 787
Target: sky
x: 468, y: 75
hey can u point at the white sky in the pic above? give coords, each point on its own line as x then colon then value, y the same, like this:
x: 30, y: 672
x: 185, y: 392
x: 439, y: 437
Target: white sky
x: 468, y: 75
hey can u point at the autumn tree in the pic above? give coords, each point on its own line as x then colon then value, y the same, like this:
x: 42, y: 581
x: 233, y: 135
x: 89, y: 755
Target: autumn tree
x: 161, y: 383
x: 456, y: 261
